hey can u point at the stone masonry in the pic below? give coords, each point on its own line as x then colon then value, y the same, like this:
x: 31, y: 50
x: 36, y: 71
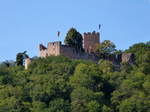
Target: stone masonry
x: 57, y: 48
x: 90, y: 43
x: 27, y: 62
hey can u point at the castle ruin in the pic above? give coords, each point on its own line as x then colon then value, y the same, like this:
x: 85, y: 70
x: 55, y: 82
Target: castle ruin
x: 90, y: 43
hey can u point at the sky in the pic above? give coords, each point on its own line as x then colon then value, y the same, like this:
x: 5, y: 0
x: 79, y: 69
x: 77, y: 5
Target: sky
x: 24, y: 24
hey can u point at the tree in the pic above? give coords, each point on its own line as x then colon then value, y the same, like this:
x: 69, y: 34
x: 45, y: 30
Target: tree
x: 82, y: 99
x: 7, y: 63
x: 20, y: 58
x: 60, y: 84
x: 74, y: 39
x: 59, y: 105
x: 88, y: 76
x: 94, y: 106
x: 130, y: 96
x: 87, y: 84
x: 126, y: 67
x: 106, y: 66
x: 11, y: 99
x: 38, y: 107
x: 106, y: 47
x: 141, y: 51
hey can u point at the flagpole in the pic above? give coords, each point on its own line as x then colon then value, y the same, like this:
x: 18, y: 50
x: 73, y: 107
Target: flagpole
x: 58, y: 34
x: 100, y: 29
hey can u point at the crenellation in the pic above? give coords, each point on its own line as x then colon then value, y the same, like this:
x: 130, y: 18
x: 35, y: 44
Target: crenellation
x: 54, y: 48
x: 91, y: 41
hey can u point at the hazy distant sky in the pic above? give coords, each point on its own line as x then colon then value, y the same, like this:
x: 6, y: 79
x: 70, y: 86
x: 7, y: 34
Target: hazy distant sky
x: 26, y: 23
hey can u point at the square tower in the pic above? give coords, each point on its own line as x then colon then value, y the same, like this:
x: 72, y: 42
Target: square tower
x: 53, y: 48
x: 91, y: 41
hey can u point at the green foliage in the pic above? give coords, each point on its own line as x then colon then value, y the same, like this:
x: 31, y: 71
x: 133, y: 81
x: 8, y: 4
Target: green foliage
x: 59, y: 105
x: 74, y: 39
x: 20, y: 58
x: 59, y: 84
x: 7, y: 63
x: 94, y: 106
x: 81, y: 97
x: 141, y: 50
x: 106, y: 47
x: 106, y: 66
x: 126, y: 67
x: 87, y: 76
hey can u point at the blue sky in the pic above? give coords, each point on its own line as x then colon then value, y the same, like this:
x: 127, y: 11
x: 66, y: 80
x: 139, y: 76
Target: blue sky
x: 26, y: 23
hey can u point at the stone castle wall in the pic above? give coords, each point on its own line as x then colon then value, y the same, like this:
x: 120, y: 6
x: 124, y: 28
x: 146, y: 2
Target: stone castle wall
x: 68, y: 51
x: 43, y: 51
x: 128, y: 57
x: 56, y: 49
x: 91, y: 41
x: 53, y: 48
x: 71, y: 53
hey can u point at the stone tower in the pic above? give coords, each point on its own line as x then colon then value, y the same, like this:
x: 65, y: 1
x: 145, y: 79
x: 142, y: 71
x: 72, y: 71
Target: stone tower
x: 91, y: 41
x: 27, y: 63
x: 53, y: 48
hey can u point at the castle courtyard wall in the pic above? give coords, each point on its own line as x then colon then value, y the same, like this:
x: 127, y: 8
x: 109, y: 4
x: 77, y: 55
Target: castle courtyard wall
x: 68, y: 51
x: 71, y: 53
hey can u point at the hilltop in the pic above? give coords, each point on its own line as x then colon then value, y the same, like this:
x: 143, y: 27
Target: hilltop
x: 60, y: 84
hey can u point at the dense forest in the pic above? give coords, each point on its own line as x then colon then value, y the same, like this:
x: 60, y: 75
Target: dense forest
x: 60, y: 84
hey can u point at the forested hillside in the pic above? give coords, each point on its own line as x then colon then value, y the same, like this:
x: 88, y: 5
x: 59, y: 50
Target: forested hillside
x: 59, y: 84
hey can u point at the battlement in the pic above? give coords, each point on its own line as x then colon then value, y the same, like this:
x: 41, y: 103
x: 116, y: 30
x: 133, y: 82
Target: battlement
x: 54, y: 48
x: 57, y: 43
x: 91, y: 35
x: 91, y: 41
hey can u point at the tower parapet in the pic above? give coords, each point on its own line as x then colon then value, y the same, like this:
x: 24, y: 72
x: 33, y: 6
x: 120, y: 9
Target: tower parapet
x: 54, y: 48
x: 91, y: 41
